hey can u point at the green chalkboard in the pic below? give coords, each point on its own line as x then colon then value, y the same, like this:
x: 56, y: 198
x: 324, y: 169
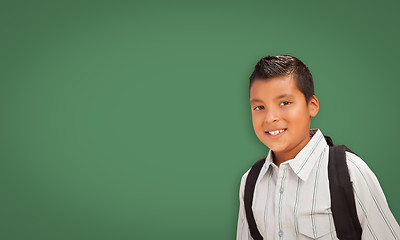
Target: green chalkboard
x: 131, y: 119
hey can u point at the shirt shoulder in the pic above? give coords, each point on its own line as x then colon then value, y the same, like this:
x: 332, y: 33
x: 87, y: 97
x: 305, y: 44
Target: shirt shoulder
x: 262, y: 170
x: 243, y: 182
x: 376, y: 219
x: 359, y: 171
x: 245, y: 175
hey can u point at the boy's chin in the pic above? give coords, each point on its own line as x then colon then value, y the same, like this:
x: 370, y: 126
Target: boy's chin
x: 278, y: 149
x: 275, y: 147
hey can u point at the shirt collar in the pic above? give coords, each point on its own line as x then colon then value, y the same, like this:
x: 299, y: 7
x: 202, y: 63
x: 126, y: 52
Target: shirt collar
x: 304, y: 161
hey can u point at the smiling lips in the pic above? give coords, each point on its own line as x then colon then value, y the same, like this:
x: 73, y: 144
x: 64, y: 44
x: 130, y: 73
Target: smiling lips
x: 275, y: 132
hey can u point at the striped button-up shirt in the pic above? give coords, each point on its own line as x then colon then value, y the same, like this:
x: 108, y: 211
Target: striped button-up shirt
x: 292, y: 201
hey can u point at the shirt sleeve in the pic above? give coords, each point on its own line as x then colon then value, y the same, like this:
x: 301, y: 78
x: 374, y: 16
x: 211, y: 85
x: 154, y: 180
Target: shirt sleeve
x: 243, y: 232
x: 376, y: 219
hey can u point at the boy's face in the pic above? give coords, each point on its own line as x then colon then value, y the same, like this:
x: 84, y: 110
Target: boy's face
x: 281, y: 116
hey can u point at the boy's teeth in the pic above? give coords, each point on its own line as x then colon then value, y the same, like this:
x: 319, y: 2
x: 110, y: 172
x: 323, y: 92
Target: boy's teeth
x: 276, y: 132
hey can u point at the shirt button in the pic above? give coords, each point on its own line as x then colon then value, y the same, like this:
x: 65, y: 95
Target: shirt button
x: 280, y: 233
x: 281, y: 190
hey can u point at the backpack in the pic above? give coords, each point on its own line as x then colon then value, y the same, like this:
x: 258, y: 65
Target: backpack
x: 341, y: 190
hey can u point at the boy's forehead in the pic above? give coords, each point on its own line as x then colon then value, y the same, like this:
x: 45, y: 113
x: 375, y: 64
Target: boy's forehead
x: 275, y: 87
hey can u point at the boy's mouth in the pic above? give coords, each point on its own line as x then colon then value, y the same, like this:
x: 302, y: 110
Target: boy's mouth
x: 276, y: 132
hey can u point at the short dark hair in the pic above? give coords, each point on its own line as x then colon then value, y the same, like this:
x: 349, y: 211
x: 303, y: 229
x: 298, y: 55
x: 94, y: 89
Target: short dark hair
x: 284, y: 65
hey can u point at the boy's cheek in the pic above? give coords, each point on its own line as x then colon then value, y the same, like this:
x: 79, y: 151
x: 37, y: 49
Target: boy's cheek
x: 255, y: 122
x: 258, y: 126
x: 257, y: 119
x: 260, y: 134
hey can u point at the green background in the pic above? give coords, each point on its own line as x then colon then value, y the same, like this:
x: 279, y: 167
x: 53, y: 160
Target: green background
x: 131, y: 119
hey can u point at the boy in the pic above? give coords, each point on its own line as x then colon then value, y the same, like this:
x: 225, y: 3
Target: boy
x: 292, y: 197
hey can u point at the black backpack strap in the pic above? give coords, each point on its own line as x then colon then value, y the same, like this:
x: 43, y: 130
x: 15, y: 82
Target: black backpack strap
x: 248, y: 198
x: 342, y: 196
x: 329, y: 141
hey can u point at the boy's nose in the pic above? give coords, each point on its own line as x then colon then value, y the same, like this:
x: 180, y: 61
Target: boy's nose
x: 271, y: 116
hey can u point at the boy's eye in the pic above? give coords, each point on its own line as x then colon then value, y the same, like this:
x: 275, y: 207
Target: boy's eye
x: 284, y: 103
x: 258, y: 108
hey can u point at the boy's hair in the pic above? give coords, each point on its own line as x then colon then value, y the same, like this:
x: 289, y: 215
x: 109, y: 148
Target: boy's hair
x: 284, y: 65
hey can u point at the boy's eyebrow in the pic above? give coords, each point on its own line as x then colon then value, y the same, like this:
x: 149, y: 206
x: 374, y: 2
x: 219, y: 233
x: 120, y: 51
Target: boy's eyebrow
x: 255, y: 100
x: 285, y: 95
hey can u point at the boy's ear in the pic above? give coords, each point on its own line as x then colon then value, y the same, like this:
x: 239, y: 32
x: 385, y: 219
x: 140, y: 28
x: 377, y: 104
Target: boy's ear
x: 313, y: 106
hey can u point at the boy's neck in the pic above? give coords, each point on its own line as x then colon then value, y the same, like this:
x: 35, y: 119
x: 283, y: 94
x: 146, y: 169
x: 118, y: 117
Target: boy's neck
x: 281, y: 157
x: 278, y: 159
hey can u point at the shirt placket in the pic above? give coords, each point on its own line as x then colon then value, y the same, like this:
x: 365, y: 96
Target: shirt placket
x: 280, y: 202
